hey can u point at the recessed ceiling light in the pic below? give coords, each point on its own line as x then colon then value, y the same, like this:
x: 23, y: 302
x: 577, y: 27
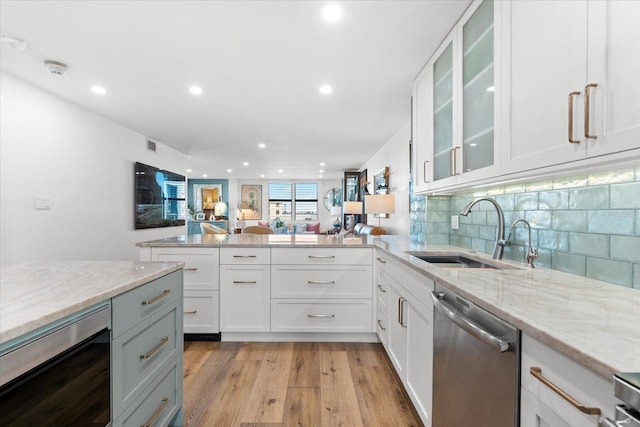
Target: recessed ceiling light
x: 321, y: 171
x: 14, y: 42
x: 229, y: 170
x: 262, y: 145
x: 189, y: 171
x: 323, y: 164
x: 280, y: 171
x: 245, y: 163
x: 332, y: 13
x: 98, y: 90
x: 325, y: 89
x: 204, y: 175
x: 261, y: 175
x: 195, y: 90
x: 319, y: 176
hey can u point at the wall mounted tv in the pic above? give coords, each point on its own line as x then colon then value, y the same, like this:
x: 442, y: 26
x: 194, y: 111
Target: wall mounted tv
x: 160, y: 197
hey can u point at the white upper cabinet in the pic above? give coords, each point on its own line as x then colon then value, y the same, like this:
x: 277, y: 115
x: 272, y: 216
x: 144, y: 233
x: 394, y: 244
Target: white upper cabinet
x: 573, y: 87
x: 455, y: 107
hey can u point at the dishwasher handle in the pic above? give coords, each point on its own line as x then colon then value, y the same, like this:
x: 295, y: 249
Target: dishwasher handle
x: 468, y: 325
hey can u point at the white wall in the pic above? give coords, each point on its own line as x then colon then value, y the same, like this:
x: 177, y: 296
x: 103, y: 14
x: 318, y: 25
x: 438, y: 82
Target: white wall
x: 395, y: 155
x: 84, y: 163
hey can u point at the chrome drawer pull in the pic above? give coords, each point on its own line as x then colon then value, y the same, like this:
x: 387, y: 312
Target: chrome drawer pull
x: 191, y: 269
x: 244, y: 282
x: 537, y: 372
x: 571, y: 140
x: 321, y: 316
x: 321, y: 256
x: 156, y: 414
x: 190, y: 312
x: 401, y: 302
x: 156, y: 299
x: 382, y: 289
x: 245, y: 256
x: 321, y: 282
x: 381, y: 327
x: 587, y: 110
x: 381, y: 261
x: 153, y: 351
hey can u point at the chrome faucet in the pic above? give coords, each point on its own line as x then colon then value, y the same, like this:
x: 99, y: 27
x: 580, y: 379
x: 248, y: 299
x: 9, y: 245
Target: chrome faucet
x: 532, y: 253
x: 498, y: 249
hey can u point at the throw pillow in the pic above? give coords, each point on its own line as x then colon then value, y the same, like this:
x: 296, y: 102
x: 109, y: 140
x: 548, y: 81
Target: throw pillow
x: 300, y: 228
x: 280, y: 230
x: 314, y: 227
x: 263, y: 224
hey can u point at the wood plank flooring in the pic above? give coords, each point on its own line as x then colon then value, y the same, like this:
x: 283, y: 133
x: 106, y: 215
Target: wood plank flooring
x: 292, y: 384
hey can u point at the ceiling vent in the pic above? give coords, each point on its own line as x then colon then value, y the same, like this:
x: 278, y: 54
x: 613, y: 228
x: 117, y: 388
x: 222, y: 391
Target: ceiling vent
x: 151, y: 146
x: 55, y: 67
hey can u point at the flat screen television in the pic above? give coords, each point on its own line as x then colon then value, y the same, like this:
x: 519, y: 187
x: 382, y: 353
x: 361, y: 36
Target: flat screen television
x: 160, y: 197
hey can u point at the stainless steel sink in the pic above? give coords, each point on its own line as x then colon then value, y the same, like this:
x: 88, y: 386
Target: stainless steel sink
x: 456, y: 261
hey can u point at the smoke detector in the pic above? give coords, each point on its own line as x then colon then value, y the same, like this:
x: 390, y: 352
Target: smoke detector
x: 56, y: 67
x: 14, y: 42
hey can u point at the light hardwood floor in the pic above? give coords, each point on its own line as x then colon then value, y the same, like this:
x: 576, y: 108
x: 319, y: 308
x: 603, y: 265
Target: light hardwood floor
x: 292, y: 384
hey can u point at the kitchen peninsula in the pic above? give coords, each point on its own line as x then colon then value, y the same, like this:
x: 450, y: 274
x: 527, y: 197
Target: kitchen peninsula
x: 125, y: 316
x: 594, y: 334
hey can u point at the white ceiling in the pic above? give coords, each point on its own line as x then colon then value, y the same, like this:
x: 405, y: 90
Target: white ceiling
x: 260, y: 64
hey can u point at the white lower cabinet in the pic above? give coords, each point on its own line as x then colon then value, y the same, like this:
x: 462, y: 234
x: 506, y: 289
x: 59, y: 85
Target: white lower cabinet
x: 245, y: 290
x: 201, y: 278
x: 410, y: 345
x: 541, y: 406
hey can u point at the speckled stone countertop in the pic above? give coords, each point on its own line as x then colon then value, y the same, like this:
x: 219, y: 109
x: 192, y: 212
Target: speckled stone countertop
x: 264, y: 240
x: 36, y: 294
x: 593, y: 322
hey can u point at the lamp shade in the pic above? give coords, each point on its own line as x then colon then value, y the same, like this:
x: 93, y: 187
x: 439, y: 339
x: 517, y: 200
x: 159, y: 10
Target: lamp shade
x: 380, y: 204
x: 335, y: 210
x: 353, y: 208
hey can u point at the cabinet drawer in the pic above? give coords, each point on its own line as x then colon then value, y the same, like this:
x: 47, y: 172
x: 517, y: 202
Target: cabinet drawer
x: 584, y: 385
x: 201, y: 312
x: 138, y: 304
x: 321, y: 315
x: 321, y: 282
x: 232, y: 256
x: 161, y: 402
x: 315, y: 256
x: 201, y: 265
x: 140, y: 352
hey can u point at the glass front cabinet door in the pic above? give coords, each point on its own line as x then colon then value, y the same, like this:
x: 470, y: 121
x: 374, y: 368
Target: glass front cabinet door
x: 455, y: 107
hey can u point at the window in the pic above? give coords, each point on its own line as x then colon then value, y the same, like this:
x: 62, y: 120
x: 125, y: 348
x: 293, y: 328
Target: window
x: 293, y: 201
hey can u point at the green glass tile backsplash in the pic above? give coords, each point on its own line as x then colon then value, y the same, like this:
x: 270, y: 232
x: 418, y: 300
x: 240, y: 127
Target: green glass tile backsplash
x: 587, y: 224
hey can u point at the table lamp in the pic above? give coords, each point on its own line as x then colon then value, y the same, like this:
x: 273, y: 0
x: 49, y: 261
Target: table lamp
x: 352, y: 208
x: 336, y: 210
x: 380, y: 204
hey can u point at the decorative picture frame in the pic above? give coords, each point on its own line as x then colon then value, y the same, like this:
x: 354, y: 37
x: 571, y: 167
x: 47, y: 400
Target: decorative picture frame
x: 200, y: 216
x: 251, y: 201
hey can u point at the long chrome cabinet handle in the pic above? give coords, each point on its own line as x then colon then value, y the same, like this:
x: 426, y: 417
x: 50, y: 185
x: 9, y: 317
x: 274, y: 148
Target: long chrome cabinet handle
x: 537, y: 372
x: 587, y: 110
x: 245, y: 256
x: 571, y: 140
x: 424, y: 171
x: 245, y: 282
x: 380, y: 324
x: 190, y: 312
x: 401, y: 302
x: 191, y: 269
x: 469, y: 325
x: 382, y: 289
x: 455, y: 161
x: 321, y: 316
x: 153, y: 351
x: 381, y: 261
x: 321, y: 256
x: 156, y: 299
x: 151, y: 421
x: 452, y: 162
x: 321, y: 282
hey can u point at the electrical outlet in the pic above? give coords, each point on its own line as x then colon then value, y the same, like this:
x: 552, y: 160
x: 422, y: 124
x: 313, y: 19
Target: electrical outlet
x: 43, y: 203
x: 455, y: 224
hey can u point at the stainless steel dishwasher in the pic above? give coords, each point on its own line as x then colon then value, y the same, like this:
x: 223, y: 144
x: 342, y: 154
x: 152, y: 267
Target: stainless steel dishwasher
x: 476, y: 359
